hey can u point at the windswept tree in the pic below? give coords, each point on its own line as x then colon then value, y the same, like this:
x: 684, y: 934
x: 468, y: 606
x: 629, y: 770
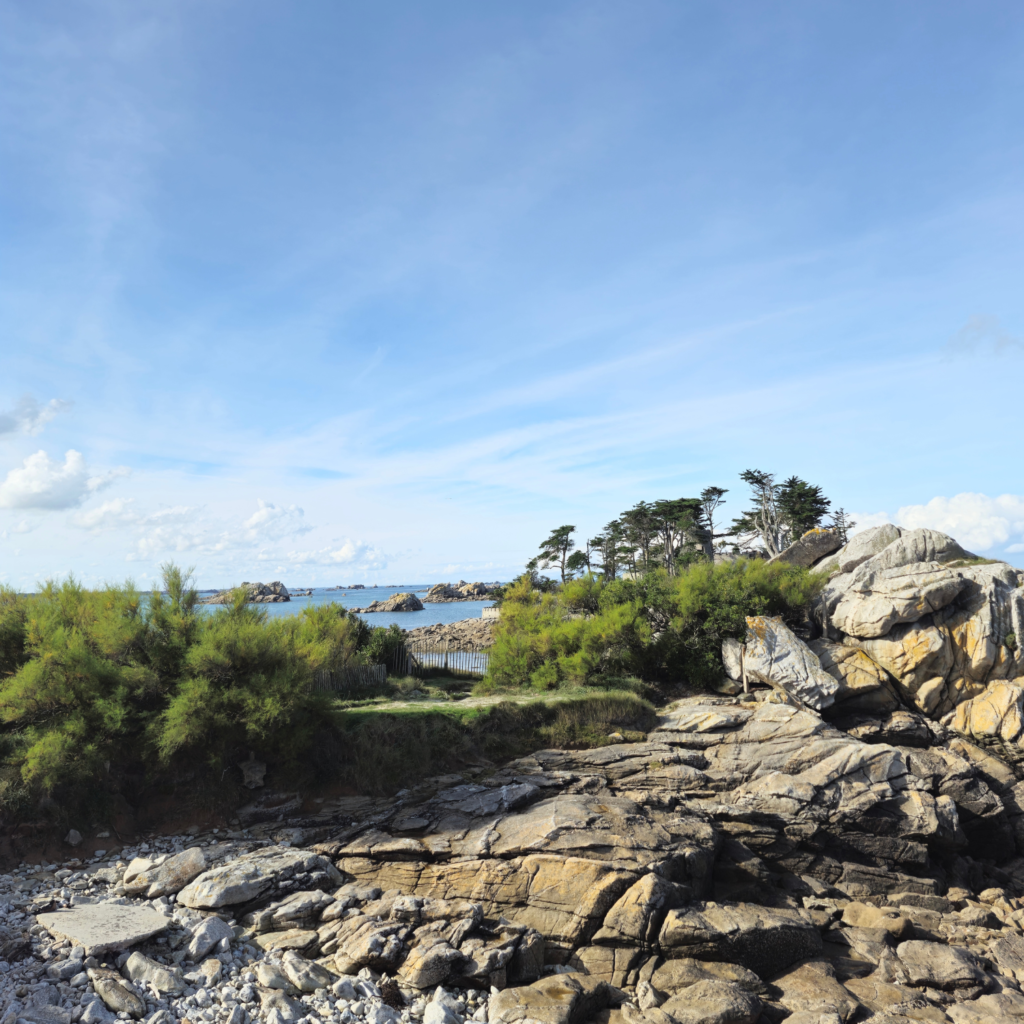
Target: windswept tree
x: 555, y: 552
x: 710, y: 499
x: 764, y: 520
x: 802, y: 505
x: 679, y: 522
x: 842, y: 524
x: 580, y: 561
x: 640, y: 527
x: 609, y: 545
x: 780, y: 512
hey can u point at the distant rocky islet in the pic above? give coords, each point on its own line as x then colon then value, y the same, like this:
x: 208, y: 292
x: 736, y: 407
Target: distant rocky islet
x: 439, y: 593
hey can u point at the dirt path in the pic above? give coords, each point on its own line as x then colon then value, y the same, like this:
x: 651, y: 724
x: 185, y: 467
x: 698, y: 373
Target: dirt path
x: 434, y: 703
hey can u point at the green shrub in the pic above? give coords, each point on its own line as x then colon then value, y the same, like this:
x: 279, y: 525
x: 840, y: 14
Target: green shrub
x: 99, y: 684
x: 656, y: 628
x: 383, y: 643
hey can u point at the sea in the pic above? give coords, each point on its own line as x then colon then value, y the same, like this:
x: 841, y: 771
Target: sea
x: 432, y: 614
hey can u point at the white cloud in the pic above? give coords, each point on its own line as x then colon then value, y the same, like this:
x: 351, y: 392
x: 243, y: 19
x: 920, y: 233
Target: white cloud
x: 350, y: 553
x: 23, y: 527
x: 867, y: 520
x: 178, y: 529
x: 184, y: 528
x: 44, y: 483
x: 108, y: 515
x: 271, y: 522
x: 29, y: 417
x: 977, y: 521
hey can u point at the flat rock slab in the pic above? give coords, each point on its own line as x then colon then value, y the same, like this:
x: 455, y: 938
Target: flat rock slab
x: 251, y: 875
x: 101, y: 927
x: 762, y: 939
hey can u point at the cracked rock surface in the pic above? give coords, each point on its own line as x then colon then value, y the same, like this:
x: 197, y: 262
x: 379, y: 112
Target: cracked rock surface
x: 749, y: 861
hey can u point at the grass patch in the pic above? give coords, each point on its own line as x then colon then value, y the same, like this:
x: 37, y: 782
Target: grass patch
x: 379, y: 752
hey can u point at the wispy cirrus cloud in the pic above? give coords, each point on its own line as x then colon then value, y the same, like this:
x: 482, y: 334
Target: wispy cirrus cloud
x: 983, y: 333
x: 188, y: 529
x: 29, y: 417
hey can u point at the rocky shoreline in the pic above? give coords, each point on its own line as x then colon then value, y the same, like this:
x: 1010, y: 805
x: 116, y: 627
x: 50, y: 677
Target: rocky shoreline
x: 838, y: 839
x: 464, y: 635
x: 747, y: 861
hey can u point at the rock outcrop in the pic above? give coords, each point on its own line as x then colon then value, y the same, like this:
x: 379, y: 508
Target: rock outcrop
x: 939, y: 623
x: 810, y: 548
x: 442, y: 593
x: 255, y: 593
x: 396, y: 603
x: 773, y: 655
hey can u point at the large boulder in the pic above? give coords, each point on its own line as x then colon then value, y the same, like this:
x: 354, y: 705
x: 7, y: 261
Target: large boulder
x: 773, y: 654
x: 762, y: 939
x: 809, y: 548
x: 996, y: 714
x: 171, y: 875
x: 918, y: 655
x: 857, y: 675
x: 918, y: 546
x: 254, y: 875
x: 812, y: 987
x: 879, y: 599
x: 559, y: 999
x: 908, y: 548
x: 863, y: 546
x: 934, y: 965
x: 637, y: 916
x: 713, y: 1001
x: 396, y: 603
x: 984, y: 626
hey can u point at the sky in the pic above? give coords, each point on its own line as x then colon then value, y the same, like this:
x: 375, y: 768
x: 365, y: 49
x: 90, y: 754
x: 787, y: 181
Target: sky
x: 343, y: 292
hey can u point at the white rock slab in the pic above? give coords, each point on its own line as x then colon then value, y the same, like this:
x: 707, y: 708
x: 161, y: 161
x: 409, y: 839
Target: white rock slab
x: 101, y: 927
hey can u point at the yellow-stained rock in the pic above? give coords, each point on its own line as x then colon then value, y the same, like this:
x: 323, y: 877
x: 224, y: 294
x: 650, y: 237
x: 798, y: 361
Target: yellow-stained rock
x: 864, y: 915
x: 997, y: 713
x: 912, y: 654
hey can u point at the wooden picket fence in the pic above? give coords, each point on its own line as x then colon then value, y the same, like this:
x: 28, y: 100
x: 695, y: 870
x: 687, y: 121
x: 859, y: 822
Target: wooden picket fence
x: 423, y: 659
x: 346, y: 680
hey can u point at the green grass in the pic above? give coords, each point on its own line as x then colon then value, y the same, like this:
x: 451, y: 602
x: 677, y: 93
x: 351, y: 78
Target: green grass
x: 379, y: 752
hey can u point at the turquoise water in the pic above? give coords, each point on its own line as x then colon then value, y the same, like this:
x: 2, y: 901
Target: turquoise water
x: 431, y: 614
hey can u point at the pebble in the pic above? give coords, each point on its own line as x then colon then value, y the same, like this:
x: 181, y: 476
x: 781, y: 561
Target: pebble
x: 55, y: 974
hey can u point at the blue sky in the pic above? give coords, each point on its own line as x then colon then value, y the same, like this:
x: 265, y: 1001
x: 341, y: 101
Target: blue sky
x: 337, y: 292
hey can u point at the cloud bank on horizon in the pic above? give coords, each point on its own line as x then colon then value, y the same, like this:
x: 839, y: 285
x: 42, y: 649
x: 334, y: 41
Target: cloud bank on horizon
x: 327, y: 292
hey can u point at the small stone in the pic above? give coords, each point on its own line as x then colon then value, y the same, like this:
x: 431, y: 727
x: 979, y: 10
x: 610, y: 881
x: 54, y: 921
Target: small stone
x: 73, y: 838
x: 207, y: 935
x: 118, y: 997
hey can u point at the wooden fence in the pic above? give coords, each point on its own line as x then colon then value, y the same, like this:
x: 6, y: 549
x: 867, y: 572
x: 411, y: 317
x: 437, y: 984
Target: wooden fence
x: 424, y: 659
x: 416, y: 659
x: 345, y: 680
